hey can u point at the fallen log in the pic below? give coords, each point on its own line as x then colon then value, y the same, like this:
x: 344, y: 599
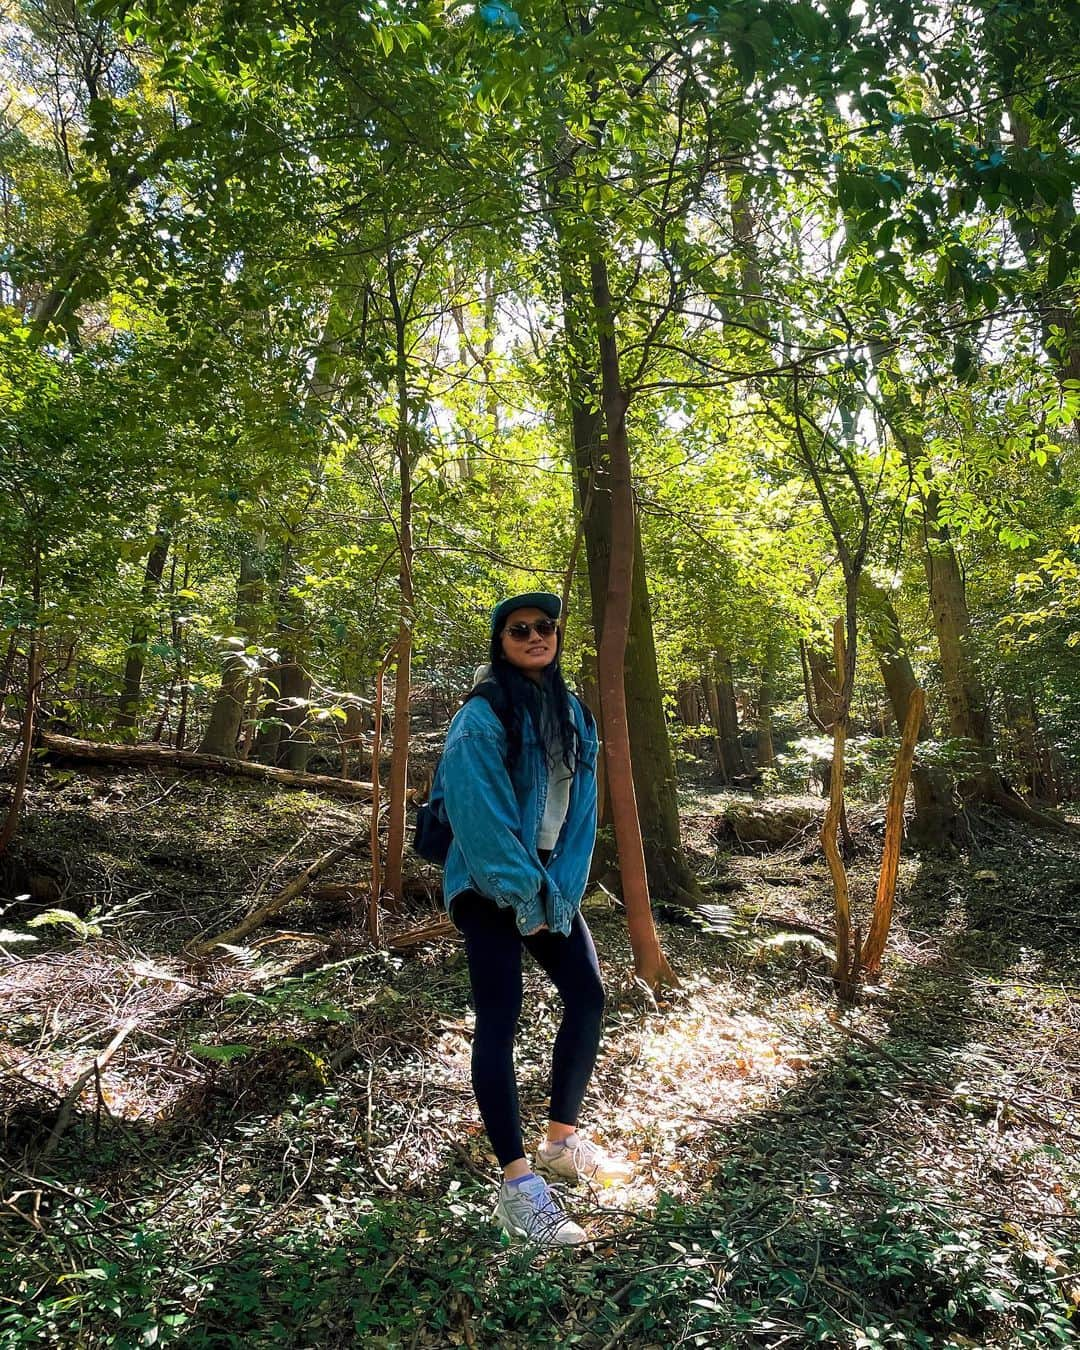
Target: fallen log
x: 161, y: 757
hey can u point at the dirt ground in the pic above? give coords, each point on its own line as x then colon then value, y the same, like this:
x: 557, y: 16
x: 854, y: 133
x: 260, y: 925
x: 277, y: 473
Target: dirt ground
x: 283, y: 1149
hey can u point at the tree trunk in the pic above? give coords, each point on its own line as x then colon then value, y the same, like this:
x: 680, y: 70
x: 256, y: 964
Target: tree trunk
x: 968, y: 708
x: 732, y: 760
x: 227, y: 713
x: 670, y: 877
x: 687, y: 698
x: 826, y: 697
x: 650, y: 963
x: 271, y: 678
x: 766, y: 754
x: 294, y: 745
x: 881, y: 920
x: 848, y: 956
x: 712, y: 705
x: 352, y: 738
x: 135, y: 663
x: 22, y: 770
x: 937, y: 821
x: 375, y: 890
x: 969, y: 717
x: 6, y: 673
x: 397, y: 787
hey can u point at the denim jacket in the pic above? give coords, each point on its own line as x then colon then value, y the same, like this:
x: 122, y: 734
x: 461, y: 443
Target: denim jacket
x: 495, y: 814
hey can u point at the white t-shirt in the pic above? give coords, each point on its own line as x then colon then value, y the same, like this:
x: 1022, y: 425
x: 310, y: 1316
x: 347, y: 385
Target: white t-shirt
x: 558, y: 803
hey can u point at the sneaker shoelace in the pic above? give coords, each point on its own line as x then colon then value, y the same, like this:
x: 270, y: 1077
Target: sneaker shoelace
x: 585, y: 1155
x: 548, y: 1213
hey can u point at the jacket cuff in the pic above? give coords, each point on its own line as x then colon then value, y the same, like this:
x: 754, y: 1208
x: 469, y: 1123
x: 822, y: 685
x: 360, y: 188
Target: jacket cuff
x: 531, y: 914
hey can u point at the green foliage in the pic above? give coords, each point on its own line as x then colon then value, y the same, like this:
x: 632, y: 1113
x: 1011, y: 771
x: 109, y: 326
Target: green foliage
x: 272, y: 267
x: 65, y: 918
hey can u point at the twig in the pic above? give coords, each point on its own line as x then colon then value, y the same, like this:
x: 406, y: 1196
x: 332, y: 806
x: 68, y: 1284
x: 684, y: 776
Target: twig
x: 627, y: 1324
x: 463, y: 1153
x: 298, y: 884
x: 68, y: 1104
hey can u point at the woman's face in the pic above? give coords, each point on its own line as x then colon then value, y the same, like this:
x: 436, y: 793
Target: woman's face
x: 531, y: 652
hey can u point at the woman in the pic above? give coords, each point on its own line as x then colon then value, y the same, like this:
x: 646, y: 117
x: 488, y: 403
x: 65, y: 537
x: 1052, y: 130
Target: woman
x: 517, y: 783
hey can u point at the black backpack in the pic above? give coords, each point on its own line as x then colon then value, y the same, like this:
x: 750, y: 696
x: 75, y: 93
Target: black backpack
x: 433, y: 834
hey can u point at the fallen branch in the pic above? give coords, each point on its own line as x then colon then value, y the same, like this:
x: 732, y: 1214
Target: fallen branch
x: 430, y: 931
x: 782, y: 923
x: 158, y: 756
x: 259, y: 916
x: 75, y: 1091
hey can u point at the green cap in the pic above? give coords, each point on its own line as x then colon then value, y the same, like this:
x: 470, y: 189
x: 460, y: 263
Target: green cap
x: 550, y: 604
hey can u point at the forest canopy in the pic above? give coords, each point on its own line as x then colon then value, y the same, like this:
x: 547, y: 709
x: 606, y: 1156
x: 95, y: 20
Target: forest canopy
x: 277, y: 278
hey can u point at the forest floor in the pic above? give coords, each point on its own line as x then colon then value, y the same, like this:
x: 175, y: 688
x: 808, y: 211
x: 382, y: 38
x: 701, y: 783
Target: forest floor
x: 283, y: 1149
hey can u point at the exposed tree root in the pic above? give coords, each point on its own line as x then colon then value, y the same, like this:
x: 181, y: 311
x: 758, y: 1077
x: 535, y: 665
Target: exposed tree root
x: 1014, y: 806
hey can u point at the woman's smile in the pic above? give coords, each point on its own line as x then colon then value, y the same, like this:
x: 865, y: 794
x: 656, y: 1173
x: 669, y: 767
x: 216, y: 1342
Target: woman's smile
x: 525, y: 645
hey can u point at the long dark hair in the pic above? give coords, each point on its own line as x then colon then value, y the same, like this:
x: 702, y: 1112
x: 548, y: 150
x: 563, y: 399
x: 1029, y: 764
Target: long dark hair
x: 513, y: 695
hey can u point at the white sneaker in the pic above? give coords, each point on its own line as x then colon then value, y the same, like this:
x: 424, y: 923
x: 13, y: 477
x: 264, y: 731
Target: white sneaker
x: 578, y: 1159
x: 531, y: 1211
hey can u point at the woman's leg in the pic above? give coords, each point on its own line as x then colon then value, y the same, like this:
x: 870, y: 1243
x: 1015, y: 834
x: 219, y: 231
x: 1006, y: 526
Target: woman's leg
x: 493, y: 948
x: 571, y: 964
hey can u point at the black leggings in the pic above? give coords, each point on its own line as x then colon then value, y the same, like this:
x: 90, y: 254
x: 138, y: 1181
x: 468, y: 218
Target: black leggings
x: 493, y: 946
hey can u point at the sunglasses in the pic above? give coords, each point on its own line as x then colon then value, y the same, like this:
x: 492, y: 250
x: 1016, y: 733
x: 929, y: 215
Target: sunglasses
x: 520, y: 631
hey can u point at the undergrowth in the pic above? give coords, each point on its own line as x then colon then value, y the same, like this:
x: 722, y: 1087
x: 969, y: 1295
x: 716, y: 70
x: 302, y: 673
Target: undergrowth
x: 285, y: 1152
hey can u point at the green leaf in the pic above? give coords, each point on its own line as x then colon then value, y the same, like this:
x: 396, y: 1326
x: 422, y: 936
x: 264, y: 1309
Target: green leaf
x: 224, y: 1053
x: 1057, y: 267
x: 65, y: 918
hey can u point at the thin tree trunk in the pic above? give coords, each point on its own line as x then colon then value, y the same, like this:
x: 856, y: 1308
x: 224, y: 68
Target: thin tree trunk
x: 712, y: 703
x: 352, y: 738
x: 5, y: 675
x: 590, y: 692
x: 227, y: 712
x: 180, y: 740
x: 127, y: 714
x: 283, y: 738
x: 650, y: 963
x: 376, y: 888
x: 295, y: 745
x: 399, y: 759
x: 847, y: 956
x: 655, y: 786
x: 966, y: 700
x: 727, y: 726
x: 22, y: 770
x: 938, y: 821
x: 766, y: 754
x: 166, y: 710
x: 251, y: 718
x: 881, y: 920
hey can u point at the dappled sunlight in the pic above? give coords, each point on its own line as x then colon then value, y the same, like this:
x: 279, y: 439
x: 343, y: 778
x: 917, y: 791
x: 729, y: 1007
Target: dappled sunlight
x: 698, y: 1065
